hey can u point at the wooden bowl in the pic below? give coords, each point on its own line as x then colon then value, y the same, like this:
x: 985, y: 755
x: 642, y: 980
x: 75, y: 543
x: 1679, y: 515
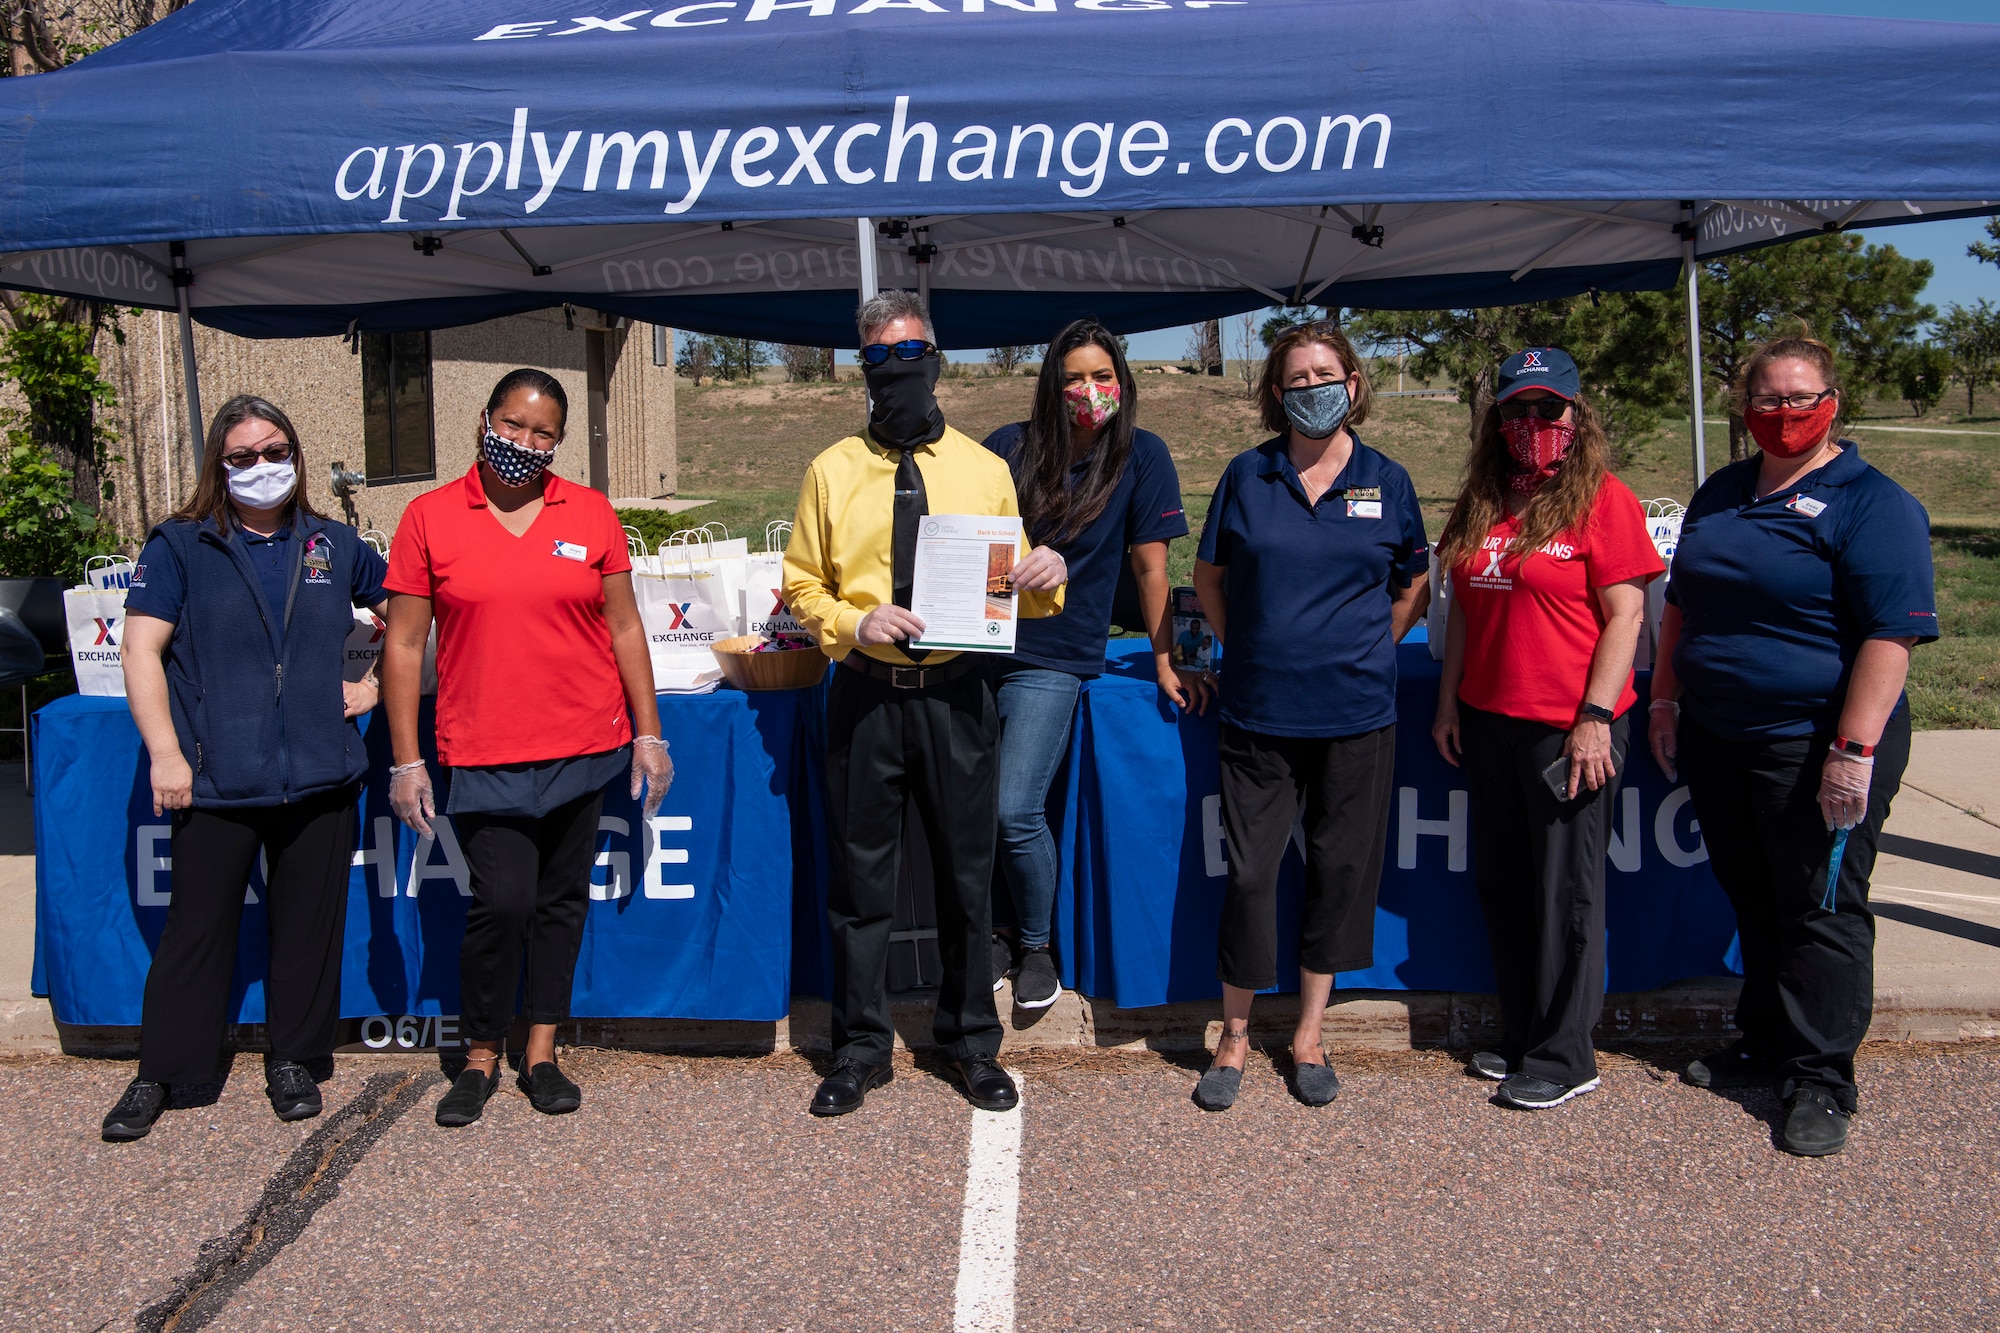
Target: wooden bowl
x: 790, y: 669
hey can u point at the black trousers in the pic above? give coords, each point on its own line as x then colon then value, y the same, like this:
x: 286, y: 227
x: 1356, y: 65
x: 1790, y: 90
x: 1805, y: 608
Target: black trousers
x: 1343, y: 785
x: 1808, y: 973
x: 308, y: 847
x: 530, y: 890
x: 937, y: 745
x: 1539, y: 867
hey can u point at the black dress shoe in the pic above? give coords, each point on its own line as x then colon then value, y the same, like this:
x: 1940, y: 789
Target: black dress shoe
x: 848, y: 1085
x: 290, y: 1086
x: 987, y: 1085
x: 138, y: 1107
x: 466, y: 1101
x: 549, y: 1090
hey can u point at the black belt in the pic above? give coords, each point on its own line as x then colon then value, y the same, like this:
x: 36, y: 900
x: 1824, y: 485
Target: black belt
x: 906, y: 677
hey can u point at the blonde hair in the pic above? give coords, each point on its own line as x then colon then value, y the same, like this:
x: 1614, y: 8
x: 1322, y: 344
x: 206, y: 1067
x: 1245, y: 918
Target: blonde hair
x: 1798, y: 346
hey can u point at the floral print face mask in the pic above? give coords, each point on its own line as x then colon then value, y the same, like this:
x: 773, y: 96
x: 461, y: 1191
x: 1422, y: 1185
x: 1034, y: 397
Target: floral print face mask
x: 1091, y: 405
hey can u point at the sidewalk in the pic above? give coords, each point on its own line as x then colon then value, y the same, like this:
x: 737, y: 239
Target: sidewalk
x: 1937, y: 960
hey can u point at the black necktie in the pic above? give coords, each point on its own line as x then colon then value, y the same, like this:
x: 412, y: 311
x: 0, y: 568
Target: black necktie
x: 911, y: 505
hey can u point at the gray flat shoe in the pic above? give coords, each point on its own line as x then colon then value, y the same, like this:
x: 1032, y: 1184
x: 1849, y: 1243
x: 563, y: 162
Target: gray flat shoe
x: 1218, y: 1088
x: 1316, y: 1085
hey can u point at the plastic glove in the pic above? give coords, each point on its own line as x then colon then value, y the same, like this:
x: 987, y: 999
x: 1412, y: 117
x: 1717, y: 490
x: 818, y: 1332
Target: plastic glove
x: 1843, y: 788
x: 652, y: 769
x: 410, y: 796
x: 1663, y: 727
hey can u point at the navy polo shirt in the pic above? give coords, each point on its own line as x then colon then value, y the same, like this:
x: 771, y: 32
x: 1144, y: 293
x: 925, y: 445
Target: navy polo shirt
x: 1309, y: 648
x: 1777, y: 595
x: 1145, y: 507
x: 161, y: 589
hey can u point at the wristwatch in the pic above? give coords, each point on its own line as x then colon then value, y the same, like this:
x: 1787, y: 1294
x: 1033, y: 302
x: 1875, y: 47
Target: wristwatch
x: 1855, y: 748
x: 1597, y: 711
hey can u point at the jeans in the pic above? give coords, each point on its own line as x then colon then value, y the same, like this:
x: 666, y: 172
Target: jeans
x: 1036, y: 707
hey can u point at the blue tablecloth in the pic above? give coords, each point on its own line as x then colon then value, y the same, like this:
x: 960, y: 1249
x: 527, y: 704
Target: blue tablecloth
x: 1144, y: 860
x: 699, y: 928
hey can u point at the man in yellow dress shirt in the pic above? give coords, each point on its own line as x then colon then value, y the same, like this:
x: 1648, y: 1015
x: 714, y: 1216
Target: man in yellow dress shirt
x: 900, y: 719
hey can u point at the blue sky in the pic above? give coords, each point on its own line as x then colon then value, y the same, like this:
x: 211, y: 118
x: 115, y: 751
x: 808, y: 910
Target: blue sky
x: 1958, y: 278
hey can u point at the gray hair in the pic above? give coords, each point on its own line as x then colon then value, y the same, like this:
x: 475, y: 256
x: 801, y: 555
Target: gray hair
x: 888, y: 306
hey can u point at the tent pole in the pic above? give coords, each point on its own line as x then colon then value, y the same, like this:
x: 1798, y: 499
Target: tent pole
x: 184, y: 279
x: 1695, y: 412
x: 864, y: 244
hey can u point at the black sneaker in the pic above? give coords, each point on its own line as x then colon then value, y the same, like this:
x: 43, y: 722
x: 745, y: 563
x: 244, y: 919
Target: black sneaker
x: 1815, y: 1126
x: 290, y: 1086
x: 1488, y: 1064
x: 1734, y: 1066
x: 466, y: 1101
x: 1529, y: 1093
x: 138, y: 1107
x: 1037, y: 986
x: 1003, y: 959
x: 549, y: 1090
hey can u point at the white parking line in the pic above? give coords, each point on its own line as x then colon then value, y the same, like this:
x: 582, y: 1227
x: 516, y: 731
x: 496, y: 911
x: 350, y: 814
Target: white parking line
x: 986, y: 1237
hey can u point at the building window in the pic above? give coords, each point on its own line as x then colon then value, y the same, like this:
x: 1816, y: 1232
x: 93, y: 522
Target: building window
x: 396, y: 406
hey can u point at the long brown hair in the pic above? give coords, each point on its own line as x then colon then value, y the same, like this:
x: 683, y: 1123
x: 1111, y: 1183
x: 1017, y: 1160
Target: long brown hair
x: 1053, y: 510
x: 1560, y: 506
x: 211, y: 489
x: 1271, y: 408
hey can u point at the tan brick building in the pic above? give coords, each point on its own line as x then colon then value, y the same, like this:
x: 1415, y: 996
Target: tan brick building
x: 401, y: 409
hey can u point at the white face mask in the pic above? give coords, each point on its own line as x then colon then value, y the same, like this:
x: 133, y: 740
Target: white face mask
x: 262, y: 485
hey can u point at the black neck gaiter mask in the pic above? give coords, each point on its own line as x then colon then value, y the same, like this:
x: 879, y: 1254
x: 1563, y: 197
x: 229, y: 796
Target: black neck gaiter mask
x: 903, y: 411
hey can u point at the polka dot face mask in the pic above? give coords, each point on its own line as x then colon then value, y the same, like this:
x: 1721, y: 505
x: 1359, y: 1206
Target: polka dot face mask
x: 510, y: 462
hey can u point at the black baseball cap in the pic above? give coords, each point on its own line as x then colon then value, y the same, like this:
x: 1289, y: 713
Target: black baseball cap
x: 1537, y: 368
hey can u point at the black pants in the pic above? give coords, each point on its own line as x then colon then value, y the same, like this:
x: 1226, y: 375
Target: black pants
x: 1539, y: 866
x: 308, y: 847
x: 937, y: 745
x: 1343, y: 784
x: 1808, y: 973
x: 530, y: 890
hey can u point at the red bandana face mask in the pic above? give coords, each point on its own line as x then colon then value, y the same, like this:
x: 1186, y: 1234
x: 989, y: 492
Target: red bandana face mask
x: 1791, y: 431
x: 1537, y: 448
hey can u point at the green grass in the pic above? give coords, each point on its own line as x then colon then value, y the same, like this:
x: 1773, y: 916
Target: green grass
x: 743, y: 449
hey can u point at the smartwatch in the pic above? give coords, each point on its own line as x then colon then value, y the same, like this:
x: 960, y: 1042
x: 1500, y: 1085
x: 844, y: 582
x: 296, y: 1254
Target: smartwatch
x: 1597, y: 711
x: 1855, y: 748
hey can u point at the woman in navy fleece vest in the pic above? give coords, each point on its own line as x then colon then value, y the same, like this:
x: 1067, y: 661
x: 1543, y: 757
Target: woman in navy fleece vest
x: 235, y: 643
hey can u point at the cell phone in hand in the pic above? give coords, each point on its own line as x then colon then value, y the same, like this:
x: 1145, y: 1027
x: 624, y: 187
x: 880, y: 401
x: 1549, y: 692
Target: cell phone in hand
x: 1556, y: 776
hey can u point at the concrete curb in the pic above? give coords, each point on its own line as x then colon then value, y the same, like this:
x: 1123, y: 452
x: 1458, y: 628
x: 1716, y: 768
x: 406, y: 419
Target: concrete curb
x: 1692, y: 1013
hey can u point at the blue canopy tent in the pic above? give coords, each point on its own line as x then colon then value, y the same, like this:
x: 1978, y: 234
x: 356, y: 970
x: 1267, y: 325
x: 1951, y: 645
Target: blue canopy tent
x: 742, y: 166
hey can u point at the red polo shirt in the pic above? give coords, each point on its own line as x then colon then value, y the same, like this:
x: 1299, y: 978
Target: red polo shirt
x: 1532, y: 621
x: 524, y: 664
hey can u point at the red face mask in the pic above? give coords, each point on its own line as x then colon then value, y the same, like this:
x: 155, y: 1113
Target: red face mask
x: 1791, y: 431
x: 1537, y: 448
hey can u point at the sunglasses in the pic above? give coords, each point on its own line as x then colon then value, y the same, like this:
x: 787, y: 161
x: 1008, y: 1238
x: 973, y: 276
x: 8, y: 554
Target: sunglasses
x: 910, y: 349
x: 1548, y: 409
x: 270, y: 453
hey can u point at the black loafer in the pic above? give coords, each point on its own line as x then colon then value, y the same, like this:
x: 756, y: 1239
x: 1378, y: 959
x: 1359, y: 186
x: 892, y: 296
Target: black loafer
x: 1815, y: 1126
x: 549, y: 1090
x: 987, y: 1085
x: 848, y: 1086
x: 466, y: 1101
x: 138, y: 1107
x: 1734, y: 1066
x: 289, y: 1085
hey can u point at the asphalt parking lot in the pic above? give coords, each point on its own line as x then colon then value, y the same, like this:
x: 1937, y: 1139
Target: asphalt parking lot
x: 696, y: 1193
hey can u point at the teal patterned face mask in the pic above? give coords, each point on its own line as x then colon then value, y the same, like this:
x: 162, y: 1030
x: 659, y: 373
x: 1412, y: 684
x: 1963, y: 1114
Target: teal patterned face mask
x: 1317, y: 409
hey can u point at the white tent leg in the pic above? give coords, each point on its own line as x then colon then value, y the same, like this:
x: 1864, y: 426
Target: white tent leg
x: 864, y: 244
x: 183, y: 279
x: 1695, y: 410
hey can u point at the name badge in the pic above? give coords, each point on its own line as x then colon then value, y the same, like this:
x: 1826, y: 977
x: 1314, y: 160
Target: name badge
x: 1364, y: 509
x: 1364, y: 492
x: 572, y: 551
x: 1805, y: 504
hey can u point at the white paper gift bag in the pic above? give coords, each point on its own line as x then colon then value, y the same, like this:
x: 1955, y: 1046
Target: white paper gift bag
x: 764, y: 609
x: 364, y: 645
x: 686, y: 611
x: 96, y: 628
x: 107, y: 573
